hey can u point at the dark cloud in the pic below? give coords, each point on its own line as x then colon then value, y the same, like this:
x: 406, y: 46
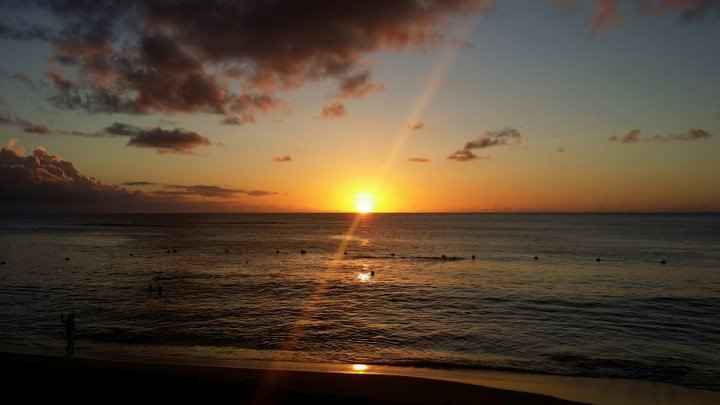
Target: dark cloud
x: 27, y: 126
x: 145, y: 56
x: 506, y: 136
x: 120, y: 129
x: 42, y: 182
x: 210, y: 191
x: 420, y: 160
x: 59, y: 80
x: 635, y: 136
x: 283, y: 159
x: 177, y: 140
x: 693, y: 134
x: 168, y: 141
x: 78, y: 133
x: 333, y: 110
x: 415, y: 127
x: 37, y: 129
x: 463, y: 155
x: 502, y: 137
x: 353, y: 85
x: 138, y: 183
x: 357, y: 85
x: 259, y: 193
x: 247, y: 106
x: 630, y: 137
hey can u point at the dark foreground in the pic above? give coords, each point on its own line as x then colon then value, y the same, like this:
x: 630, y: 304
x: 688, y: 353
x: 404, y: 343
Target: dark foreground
x: 34, y: 378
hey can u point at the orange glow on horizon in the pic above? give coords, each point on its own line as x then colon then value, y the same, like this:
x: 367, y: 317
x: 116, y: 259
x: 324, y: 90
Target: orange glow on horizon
x: 360, y: 367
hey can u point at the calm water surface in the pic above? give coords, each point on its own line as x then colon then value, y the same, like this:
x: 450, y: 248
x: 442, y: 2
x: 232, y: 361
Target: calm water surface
x: 565, y: 313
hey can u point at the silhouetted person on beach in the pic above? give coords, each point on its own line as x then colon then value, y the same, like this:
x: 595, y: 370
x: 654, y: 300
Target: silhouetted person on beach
x: 69, y: 323
x: 159, y: 289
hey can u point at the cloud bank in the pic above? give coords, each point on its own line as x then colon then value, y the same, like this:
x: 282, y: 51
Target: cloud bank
x: 147, y: 56
x: 45, y: 182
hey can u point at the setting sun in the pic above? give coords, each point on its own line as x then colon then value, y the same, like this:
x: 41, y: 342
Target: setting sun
x: 364, y: 202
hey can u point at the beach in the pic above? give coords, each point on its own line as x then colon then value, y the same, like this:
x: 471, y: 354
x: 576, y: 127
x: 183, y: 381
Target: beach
x: 33, y: 378
x: 85, y: 380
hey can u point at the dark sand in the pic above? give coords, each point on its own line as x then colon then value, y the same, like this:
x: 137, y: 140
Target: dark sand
x: 44, y: 378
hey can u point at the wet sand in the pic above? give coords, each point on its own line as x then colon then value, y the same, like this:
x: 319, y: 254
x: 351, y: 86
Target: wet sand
x: 34, y: 378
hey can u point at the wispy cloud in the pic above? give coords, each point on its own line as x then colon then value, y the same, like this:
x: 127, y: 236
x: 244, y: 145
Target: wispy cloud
x: 27, y: 126
x: 283, y: 159
x: 630, y: 137
x: 463, y: 155
x: 414, y: 127
x: 502, y: 137
x: 635, y: 136
x: 210, y: 191
x: 607, y: 14
x: 418, y: 159
x: 333, y: 110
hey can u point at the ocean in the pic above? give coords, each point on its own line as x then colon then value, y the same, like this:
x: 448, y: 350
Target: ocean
x: 565, y: 294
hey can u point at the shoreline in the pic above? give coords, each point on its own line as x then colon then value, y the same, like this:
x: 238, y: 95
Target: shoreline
x: 83, y: 380
x: 318, y: 382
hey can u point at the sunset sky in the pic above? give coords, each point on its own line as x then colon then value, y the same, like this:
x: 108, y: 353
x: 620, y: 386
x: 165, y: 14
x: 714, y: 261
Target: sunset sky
x: 460, y: 105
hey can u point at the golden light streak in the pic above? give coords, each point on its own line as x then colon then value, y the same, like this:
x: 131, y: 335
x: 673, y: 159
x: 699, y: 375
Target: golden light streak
x: 434, y: 80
